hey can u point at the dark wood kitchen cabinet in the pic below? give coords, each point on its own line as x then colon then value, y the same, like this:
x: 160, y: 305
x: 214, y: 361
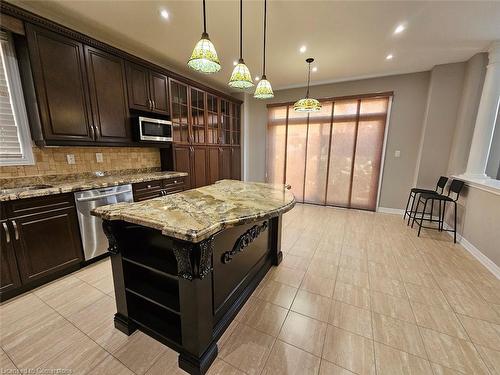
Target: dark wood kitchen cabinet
x: 157, y: 188
x: 147, y: 89
x: 194, y: 161
x: 213, y: 164
x: 236, y: 163
x: 61, y: 87
x: 225, y: 163
x: 108, y: 96
x: 182, y: 161
x: 44, y: 242
x: 9, y: 272
x: 47, y: 242
x: 199, y: 166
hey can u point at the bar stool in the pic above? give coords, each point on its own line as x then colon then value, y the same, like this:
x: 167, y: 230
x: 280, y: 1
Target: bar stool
x: 441, y: 183
x: 455, y: 187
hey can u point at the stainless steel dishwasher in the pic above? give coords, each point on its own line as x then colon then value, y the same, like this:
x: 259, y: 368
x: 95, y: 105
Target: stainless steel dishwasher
x: 94, y: 240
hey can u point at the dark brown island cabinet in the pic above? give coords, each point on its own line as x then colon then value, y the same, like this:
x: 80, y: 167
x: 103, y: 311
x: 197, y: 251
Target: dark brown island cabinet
x: 40, y: 241
x: 181, y: 276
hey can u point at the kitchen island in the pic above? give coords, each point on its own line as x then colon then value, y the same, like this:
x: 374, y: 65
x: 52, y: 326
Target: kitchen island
x: 183, y: 265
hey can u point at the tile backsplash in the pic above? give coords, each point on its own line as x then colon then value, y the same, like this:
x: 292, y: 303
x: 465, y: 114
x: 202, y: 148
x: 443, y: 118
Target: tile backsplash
x: 52, y: 160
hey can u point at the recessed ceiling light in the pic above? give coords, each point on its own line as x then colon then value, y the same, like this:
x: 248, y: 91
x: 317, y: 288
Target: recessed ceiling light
x: 257, y: 78
x: 389, y: 56
x: 399, y: 29
x: 302, y: 49
x: 164, y: 14
x: 235, y: 62
x: 315, y: 69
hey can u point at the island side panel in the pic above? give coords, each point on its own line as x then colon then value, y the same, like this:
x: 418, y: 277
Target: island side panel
x: 121, y: 320
x: 194, y: 267
x: 275, y: 239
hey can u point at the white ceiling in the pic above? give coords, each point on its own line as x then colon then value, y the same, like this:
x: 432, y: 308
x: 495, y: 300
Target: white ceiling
x: 349, y: 39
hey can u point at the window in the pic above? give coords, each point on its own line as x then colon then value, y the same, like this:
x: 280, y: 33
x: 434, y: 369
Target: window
x: 331, y: 157
x: 493, y: 166
x: 15, y: 140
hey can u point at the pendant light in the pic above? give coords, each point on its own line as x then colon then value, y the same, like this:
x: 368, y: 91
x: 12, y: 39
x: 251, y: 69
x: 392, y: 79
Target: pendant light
x: 204, y: 58
x: 264, y: 89
x: 241, y: 78
x: 307, y: 104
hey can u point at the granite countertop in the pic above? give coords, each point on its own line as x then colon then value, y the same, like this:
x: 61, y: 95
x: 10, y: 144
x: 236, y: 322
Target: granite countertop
x: 196, y: 214
x: 28, y: 188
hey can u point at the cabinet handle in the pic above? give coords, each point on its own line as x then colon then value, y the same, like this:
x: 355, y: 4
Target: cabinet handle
x: 150, y: 104
x: 96, y: 131
x: 154, y: 104
x: 7, y: 233
x: 16, y: 232
x: 92, y: 131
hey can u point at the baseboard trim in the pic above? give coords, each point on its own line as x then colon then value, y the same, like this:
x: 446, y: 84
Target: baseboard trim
x: 394, y: 211
x: 476, y: 253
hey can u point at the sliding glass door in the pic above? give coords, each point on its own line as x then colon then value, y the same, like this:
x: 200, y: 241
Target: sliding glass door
x: 331, y: 157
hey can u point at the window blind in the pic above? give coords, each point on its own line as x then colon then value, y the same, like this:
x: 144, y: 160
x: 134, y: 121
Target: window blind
x: 331, y: 157
x: 15, y: 142
x: 10, y: 145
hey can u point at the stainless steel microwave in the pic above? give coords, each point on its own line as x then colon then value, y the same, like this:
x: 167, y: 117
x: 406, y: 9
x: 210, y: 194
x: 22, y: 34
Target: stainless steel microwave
x: 154, y: 130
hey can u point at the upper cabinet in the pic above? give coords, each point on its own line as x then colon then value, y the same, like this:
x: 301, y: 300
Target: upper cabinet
x: 147, y: 89
x: 61, y: 87
x: 180, y: 111
x: 198, y: 124
x: 80, y: 92
x: 108, y: 97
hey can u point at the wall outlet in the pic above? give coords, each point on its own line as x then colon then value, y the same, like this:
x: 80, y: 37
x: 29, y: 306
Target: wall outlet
x: 70, y: 158
x: 98, y: 157
x: 397, y: 154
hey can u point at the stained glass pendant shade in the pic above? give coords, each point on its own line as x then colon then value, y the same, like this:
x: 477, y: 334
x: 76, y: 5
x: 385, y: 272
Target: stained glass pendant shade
x: 264, y: 89
x: 204, y: 58
x: 307, y: 104
x: 241, y: 77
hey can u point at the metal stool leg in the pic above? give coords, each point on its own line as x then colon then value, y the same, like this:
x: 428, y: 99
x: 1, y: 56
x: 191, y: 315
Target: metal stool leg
x: 439, y: 218
x: 411, y: 209
x: 455, y: 224
x: 422, y: 219
x: 415, y: 212
x: 407, y: 204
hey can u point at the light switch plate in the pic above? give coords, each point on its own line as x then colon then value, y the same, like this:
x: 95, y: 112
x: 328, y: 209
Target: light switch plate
x: 98, y: 157
x: 397, y: 154
x: 70, y: 158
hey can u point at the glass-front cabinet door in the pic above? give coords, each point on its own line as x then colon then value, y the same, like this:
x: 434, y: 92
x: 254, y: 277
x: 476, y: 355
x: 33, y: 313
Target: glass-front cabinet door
x: 198, y: 115
x: 212, y: 119
x: 180, y: 120
x: 225, y: 117
x: 235, y: 124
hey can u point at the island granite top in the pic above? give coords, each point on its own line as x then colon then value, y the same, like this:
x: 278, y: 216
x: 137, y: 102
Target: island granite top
x: 195, y: 215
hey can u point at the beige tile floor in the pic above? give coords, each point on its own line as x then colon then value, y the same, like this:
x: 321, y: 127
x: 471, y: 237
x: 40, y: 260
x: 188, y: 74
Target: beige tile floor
x: 357, y: 293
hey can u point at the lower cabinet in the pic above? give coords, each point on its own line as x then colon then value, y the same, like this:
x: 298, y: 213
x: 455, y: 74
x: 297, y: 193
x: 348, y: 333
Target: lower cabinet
x: 9, y: 272
x: 157, y: 188
x: 207, y: 164
x: 47, y: 242
x: 40, y: 240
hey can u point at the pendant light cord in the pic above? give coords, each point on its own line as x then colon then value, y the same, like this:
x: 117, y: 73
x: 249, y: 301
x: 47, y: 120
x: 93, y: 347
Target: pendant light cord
x: 204, y: 19
x: 265, y: 16
x: 241, y: 29
x: 308, y: 80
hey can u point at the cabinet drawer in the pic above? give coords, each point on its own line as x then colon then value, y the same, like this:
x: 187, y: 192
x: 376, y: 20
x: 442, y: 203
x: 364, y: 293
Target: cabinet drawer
x: 173, y: 182
x: 30, y: 206
x: 146, y: 190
